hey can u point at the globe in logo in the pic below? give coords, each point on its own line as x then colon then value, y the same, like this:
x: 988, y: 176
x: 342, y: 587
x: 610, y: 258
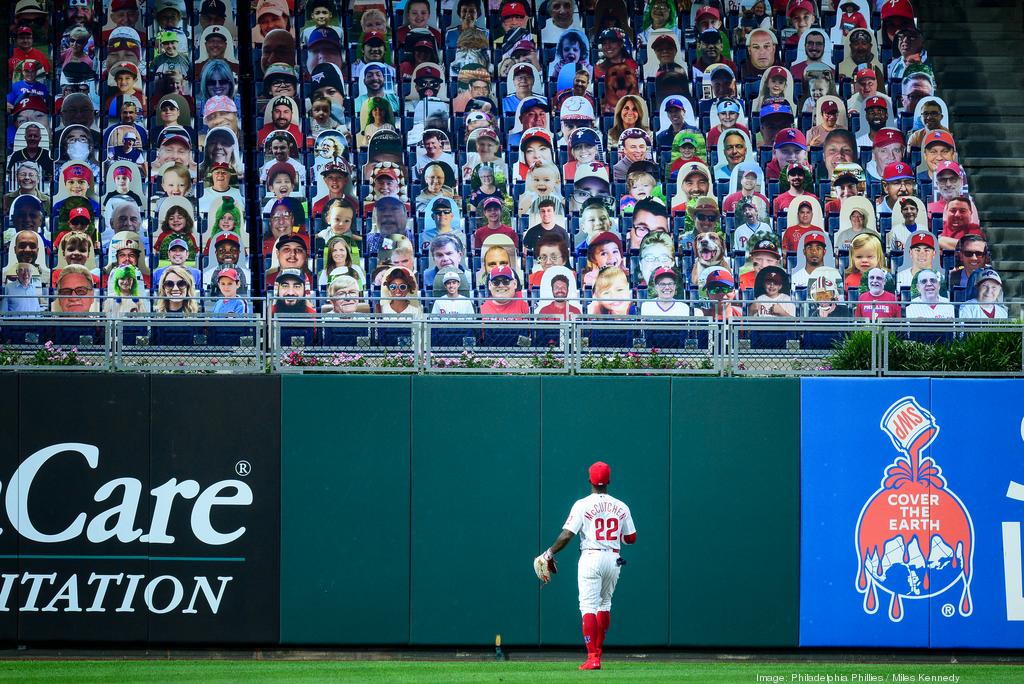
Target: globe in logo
x: 915, y: 537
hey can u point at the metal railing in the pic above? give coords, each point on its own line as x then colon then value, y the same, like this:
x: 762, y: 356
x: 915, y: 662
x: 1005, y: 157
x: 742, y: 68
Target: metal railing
x: 586, y: 345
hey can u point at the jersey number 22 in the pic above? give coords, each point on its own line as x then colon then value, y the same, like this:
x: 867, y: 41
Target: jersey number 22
x: 606, y: 529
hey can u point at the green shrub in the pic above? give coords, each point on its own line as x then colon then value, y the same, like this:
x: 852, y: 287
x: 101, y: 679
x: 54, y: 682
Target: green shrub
x: 978, y: 352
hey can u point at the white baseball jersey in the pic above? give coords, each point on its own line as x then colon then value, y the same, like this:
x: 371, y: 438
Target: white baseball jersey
x: 600, y: 521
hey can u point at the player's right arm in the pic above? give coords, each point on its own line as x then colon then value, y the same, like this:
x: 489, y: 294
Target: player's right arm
x: 570, y: 529
x: 563, y: 538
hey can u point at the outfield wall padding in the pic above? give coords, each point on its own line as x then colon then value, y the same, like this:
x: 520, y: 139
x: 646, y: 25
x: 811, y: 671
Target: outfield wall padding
x: 458, y: 482
x: 405, y: 511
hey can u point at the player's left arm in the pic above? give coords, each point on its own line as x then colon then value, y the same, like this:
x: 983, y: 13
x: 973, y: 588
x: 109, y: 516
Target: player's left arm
x: 628, y: 529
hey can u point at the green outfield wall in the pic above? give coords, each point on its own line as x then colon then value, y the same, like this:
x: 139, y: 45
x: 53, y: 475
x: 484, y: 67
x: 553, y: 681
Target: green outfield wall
x: 412, y: 508
x: 405, y: 511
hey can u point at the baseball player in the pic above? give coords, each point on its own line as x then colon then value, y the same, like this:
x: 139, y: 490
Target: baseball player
x: 603, y: 522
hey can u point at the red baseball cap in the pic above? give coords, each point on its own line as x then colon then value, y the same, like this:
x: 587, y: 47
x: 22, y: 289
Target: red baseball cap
x: 949, y: 166
x: 866, y: 72
x: 926, y: 239
x: 777, y: 71
x: 791, y: 136
x: 524, y: 45
x: 876, y: 101
x: 939, y: 136
x: 897, y: 8
x: 79, y: 212
x: 799, y: 5
x: 829, y: 107
x: 888, y: 136
x: 600, y: 472
x: 229, y: 273
x: 707, y: 11
x: 815, y: 236
x: 390, y: 173
x: 501, y: 272
x: 33, y: 102
x: 664, y: 270
x: 897, y: 171
x: 77, y: 171
x: 513, y: 9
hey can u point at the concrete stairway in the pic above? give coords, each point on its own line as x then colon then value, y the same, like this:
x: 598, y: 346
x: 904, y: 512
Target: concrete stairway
x: 977, y: 50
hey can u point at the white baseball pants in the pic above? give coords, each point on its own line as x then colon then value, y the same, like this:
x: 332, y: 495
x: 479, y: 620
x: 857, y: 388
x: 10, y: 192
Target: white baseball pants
x: 596, y: 575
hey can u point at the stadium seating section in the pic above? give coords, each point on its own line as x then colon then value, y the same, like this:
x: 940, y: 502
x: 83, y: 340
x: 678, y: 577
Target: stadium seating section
x: 487, y: 157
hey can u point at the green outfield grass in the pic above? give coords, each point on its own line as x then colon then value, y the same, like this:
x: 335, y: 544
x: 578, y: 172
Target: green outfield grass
x: 126, y: 672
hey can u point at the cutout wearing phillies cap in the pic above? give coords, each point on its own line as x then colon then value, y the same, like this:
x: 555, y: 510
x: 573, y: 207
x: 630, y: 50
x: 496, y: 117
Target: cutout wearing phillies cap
x: 889, y: 136
x: 876, y: 101
x: 77, y: 171
x: 666, y: 41
x: 897, y: 171
x: 718, y: 275
x: 513, y: 9
x: 600, y: 474
x: 229, y: 273
x: 919, y: 238
x: 708, y: 12
x: 815, y: 236
x: 79, y: 213
x: 522, y: 69
x: 939, y: 136
x: 949, y: 166
x: 791, y: 136
x: 501, y: 272
x: 663, y: 271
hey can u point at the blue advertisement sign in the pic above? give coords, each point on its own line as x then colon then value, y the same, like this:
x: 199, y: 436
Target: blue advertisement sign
x: 911, y: 513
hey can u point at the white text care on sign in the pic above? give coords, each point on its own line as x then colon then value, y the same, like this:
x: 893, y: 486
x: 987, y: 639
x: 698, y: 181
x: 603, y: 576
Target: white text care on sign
x: 124, y: 494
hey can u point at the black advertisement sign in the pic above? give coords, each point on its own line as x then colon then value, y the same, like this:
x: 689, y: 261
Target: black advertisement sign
x: 225, y: 432
x: 141, y: 509
x: 9, y: 409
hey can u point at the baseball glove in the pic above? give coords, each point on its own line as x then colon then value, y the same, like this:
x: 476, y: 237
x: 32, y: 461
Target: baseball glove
x: 544, y: 566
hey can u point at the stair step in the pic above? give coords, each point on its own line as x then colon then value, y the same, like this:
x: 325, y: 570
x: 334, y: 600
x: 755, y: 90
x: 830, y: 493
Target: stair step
x: 984, y: 110
x: 989, y: 96
x: 995, y: 184
x: 971, y: 148
x: 1008, y: 234
x: 955, y: 48
x: 944, y: 14
x: 999, y: 61
x: 993, y: 131
x: 993, y: 162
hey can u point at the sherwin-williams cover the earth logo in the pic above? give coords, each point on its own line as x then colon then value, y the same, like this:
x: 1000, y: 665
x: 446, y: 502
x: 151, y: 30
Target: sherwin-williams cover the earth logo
x: 915, y: 538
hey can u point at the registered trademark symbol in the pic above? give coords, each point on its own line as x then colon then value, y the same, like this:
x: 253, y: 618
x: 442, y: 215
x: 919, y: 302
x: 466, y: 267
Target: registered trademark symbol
x: 243, y: 468
x: 948, y: 610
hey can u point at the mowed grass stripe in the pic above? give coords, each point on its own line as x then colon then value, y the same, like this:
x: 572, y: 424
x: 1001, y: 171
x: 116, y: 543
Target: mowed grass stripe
x: 404, y: 671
